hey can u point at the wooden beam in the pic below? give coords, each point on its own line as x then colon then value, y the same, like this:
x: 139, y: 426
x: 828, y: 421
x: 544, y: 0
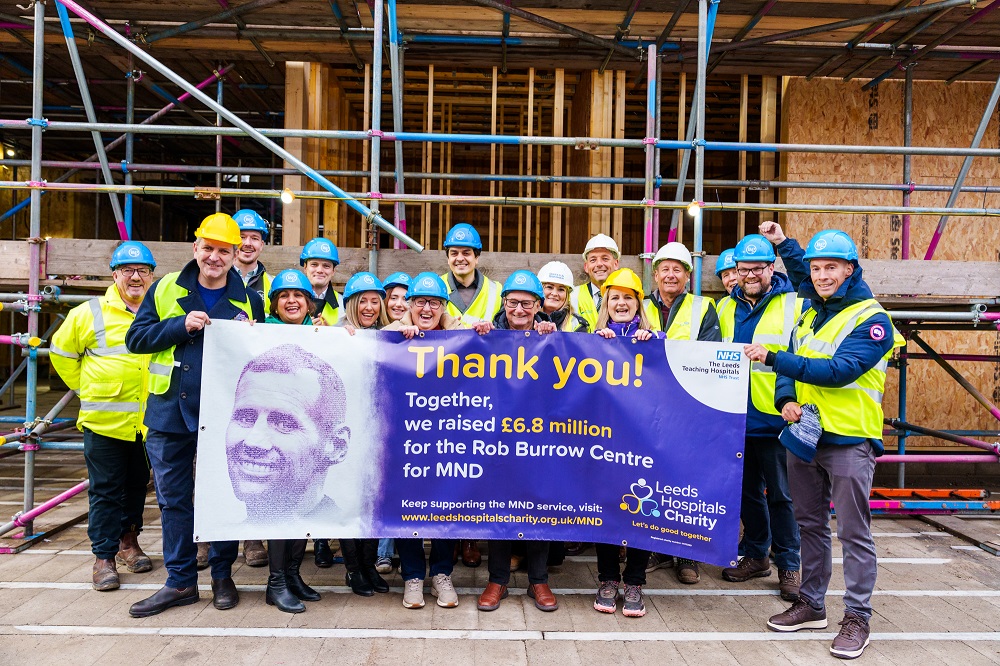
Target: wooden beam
x: 618, y: 164
x: 558, y: 112
x: 768, y: 133
x: 296, y: 111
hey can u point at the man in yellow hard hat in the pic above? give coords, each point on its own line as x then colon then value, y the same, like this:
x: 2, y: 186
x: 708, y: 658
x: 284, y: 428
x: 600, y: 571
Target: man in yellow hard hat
x: 170, y: 325
x: 600, y: 259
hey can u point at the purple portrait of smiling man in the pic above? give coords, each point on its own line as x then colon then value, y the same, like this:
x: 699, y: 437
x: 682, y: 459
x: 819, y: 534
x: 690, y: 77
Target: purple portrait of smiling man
x: 286, y: 431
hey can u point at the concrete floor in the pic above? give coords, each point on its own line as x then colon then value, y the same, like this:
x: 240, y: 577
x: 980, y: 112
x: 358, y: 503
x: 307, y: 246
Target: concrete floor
x: 937, y: 601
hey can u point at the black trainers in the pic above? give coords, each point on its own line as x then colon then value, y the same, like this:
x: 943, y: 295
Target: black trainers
x: 748, y: 568
x: 632, y: 605
x: 800, y: 616
x: 853, y: 637
x: 607, y: 596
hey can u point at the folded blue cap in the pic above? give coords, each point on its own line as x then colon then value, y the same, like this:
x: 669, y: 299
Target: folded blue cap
x: 801, y: 438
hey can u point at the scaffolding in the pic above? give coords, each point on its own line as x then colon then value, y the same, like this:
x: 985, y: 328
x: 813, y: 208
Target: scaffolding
x: 689, y: 197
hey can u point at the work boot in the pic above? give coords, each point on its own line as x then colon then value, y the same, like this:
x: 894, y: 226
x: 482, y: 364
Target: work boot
x: 853, y: 637
x: 748, y: 568
x: 164, y: 598
x: 254, y: 553
x: 322, y: 553
x: 105, y: 575
x: 130, y: 555
x: 224, y: 593
x: 202, y: 559
x: 659, y: 561
x: 471, y: 557
x: 297, y: 586
x: 687, y: 571
x: 491, y: 597
x: 277, y: 593
x: 359, y: 584
x: 788, y: 584
x: 800, y: 616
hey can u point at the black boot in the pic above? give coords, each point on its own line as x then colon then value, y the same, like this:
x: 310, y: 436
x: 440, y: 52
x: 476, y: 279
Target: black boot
x: 278, y: 593
x: 297, y: 586
x: 322, y: 553
x: 369, y: 555
x: 359, y: 584
x: 351, y: 550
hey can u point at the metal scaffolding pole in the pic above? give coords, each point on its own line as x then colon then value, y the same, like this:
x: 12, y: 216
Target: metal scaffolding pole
x: 373, y: 183
x: 129, y: 146
x: 368, y: 214
x: 699, y: 156
x: 647, y: 213
x: 396, y: 69
x: 907, y: 180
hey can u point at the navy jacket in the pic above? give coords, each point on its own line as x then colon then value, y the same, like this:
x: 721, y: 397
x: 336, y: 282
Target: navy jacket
x: 856, y: 355
x: 177, y: 410
x: 793, y: 256
x: 746, y: 318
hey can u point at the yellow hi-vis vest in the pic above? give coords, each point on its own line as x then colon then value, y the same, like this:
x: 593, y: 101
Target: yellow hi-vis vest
x: 168, y: 292
x: 774, y: 331
x: 582, y: 301
x: 483, y: 307
x: 88, y: 351
x: 686, y: 324
x: 331, y: 315
x: 854, y: 410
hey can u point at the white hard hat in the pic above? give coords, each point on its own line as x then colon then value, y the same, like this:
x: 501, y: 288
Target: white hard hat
x: 675, y: 251
x: 556, y: 272
x: 604, y: 242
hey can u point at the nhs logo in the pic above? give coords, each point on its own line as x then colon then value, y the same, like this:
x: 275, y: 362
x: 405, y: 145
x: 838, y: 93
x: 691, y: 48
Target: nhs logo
x: 727, y: 356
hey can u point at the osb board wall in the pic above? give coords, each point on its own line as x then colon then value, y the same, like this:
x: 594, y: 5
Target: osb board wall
x: 830, y: 111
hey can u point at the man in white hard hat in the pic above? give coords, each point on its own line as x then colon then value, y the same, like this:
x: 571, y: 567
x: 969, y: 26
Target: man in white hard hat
x: 670, y: 308
x: 600, y: 259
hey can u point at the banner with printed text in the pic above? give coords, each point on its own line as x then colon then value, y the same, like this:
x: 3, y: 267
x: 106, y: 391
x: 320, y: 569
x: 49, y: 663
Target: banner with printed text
x: 510, y: 435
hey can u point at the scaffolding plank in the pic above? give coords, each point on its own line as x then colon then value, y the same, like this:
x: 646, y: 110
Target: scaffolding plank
x: 984, y: 534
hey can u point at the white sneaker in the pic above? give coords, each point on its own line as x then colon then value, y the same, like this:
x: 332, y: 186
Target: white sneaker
x: 444, y: 590
x: 413, y: 594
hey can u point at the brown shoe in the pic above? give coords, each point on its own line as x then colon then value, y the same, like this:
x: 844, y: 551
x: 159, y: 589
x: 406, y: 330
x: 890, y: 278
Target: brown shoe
x: 800, y: 616
x: 105, y: 575
x: 788, y: 583
x: 544, y: 599
x: 254, y: 553
x: 202, y: 559
x: 515, y: 562
x: 471, y: 556
x: 130, y: 555
x: 491, y: 597
x: 687, y: 571
x: 853, y: 637
x: 748, y: 568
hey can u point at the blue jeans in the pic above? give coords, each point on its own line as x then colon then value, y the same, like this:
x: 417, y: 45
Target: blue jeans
x: 413, y: 563
x: 385, y: 548
x: 768, y: 518
x: 171, y: 455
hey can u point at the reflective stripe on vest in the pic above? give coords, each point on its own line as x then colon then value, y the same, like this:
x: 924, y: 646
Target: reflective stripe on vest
x: 582, y: 301
x: 684, y: 326
x: 854, y: 410
x: 130, y: 407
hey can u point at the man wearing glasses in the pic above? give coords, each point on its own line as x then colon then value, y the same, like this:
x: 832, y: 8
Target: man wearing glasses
x: 763, y: 309
x: 88, y: 351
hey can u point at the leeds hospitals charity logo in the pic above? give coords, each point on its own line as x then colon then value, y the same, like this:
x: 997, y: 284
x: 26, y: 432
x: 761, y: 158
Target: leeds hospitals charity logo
x: 640, y: 500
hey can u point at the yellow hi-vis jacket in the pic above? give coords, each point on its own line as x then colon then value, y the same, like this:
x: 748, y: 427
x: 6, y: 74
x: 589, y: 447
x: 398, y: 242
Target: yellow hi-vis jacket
x: 484, y: 306
x: 687, y: 322
x: 774, y: 331
x: 581, y: 299
x: 854, y: 410
x: 88, y: 351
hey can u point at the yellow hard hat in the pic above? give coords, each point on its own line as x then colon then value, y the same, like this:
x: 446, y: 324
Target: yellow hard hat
x: 219, y: 227
x: 624, y: 278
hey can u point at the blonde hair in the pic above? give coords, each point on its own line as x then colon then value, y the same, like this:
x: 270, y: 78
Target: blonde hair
x: 603, y: 316
x: 352, y: 305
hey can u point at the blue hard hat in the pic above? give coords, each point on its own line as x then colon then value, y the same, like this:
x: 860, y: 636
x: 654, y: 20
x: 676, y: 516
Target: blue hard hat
x: 397, y: 279
x: 429, y: 285
x: 290, y: 278
x: 131, y: 252
x: 523, y: 281
x: 249, y: 220
x: 319, y: 248
x: 463, y: 235
x: 363, y: 281
x: 726, y: 261
x: 831, y: 244
x: 754, y: 248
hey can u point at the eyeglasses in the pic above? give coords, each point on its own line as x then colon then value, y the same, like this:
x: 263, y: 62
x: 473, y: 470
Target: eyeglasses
x: 514, y: 304
x: 758, y: 271
x: 432, y: 303
x: 141, y: 271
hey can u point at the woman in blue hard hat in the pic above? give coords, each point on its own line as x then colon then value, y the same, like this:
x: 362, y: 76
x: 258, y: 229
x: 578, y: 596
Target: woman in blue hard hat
x: 396, y: 286
x: 319, y: 260
x: 621, y: 315
x: 290, y: 303
x: 363, y: 310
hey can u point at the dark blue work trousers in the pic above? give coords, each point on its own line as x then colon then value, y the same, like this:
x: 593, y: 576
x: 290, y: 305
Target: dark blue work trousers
x: 768, y: 518
x: 171, y: 456
x: 119, y: 475
x: 413, y: 563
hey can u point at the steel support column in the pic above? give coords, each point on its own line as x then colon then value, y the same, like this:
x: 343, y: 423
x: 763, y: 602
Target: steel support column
x: 704, y: 42
x: 396, y: 70
x: 647, y: 213
x: 376, y: 129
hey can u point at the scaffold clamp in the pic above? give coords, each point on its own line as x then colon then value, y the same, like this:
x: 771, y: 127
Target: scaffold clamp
x: 375, y: 132
x: 698, y: 143
x: 649, y: 140
x: 39, y: 122
x: 125, y: 166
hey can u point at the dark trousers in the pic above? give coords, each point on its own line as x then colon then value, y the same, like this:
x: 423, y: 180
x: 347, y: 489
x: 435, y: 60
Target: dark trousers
x: 768, y: 518
x: 359, y: 554
x: 171, y: 456
x: 608, y: 567
x: 536, y: 559
x: 413, y: 563
x: 119, y: 474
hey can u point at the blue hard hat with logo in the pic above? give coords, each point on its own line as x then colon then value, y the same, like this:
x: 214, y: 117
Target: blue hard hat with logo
x: 754, y: 248
x: 463, y: 235
x: 131, y: 252
x: 727, y: 260
x: 319, y: 248
x: 524, y: 281
x: 290, y: 278
x: 249, y: 220
x: 397, y: 279
x: 428, y: 285
x: 831, y: 244
x: 363, y: 281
